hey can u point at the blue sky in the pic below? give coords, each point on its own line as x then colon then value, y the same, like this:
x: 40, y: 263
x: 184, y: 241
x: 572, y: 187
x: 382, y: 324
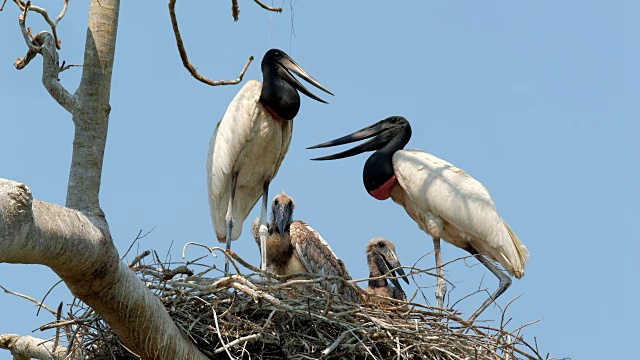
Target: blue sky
x: 534, y: 99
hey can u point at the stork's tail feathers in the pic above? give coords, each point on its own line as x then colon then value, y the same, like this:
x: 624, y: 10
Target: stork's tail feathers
x: 517, y: 266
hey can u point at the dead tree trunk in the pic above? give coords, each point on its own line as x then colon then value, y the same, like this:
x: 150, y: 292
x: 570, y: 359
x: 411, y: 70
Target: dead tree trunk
x: 74, y: 241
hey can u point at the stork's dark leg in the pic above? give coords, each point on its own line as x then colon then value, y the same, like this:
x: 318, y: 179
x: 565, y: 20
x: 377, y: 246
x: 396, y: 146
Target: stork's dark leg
x: 441, y: 288
x: 229, y: 220
x: 505, y: 282
x: 263, y: 227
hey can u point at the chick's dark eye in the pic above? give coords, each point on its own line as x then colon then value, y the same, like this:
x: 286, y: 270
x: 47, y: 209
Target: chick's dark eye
x: 289, y: 203
x: 276, y: 202
x: 381, y: 244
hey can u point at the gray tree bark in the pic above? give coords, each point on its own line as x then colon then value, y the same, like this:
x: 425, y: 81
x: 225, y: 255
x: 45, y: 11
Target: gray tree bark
x: 74, y: 241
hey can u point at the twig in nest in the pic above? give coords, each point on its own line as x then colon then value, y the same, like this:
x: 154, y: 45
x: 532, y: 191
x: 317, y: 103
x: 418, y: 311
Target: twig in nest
x: 55, y: 342
x: 45, y: 296
x: 170, y: 274
x: 138, y: 237
x: 185, y: 58
x: 139, y: 258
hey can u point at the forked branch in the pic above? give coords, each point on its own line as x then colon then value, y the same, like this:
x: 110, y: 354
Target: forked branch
x: 53, y: 24
x: 44, y: 43
x: 185, y: 59
x: 235, y: 9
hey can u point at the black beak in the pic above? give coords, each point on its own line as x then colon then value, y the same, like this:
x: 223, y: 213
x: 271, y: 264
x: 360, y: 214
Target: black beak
x: 288, y: 64
x: 374, y: 144
x: 282, y: 214
x: 389, y: 262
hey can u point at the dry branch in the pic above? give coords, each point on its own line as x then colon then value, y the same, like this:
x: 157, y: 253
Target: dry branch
x: 185, y: 59
x: 53, y: 24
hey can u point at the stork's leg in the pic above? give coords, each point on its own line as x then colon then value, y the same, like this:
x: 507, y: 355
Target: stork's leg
x: 263, y: 227
x: 505, y: 282
x: 229, y: 220
x: 441, y: 288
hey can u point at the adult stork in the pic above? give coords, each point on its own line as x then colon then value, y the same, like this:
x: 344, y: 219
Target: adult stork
x: 294, y: 247
x: 382, y: 260
x: 443, y: 200
x: 250, y: 142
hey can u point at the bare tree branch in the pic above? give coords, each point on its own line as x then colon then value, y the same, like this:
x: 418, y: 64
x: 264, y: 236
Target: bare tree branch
x: 27, y: 347
x: 53, y: 24
x: 68, y: 242
x: 185, y: 58
x: 40, y: 304
x: 268, y: 7
x: 235, y: 10
x: 44, y: 43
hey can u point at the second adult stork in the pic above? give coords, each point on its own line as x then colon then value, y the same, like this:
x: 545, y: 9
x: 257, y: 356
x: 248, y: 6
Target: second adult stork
x: 442, y: 199
x: 250, y: 142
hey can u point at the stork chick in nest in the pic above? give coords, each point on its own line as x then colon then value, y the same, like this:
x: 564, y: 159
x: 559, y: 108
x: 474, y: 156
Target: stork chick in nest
x: 294, y: 247
x: 382, y: 260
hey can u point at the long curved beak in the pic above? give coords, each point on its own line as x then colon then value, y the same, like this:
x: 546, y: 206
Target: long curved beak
x: 369, y: 131
x: 288, y: 64
x: 282, y: 215
x: 391, y: 264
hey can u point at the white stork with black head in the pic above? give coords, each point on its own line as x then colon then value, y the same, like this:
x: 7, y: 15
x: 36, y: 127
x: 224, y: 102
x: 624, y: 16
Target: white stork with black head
x: 250, y: 142
x: 442, y: 199
x: 294, y: 247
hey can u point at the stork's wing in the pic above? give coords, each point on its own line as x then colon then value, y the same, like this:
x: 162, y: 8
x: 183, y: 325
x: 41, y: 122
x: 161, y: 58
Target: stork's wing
x: 436, y: 186
x: 318, y: 258
x: 227, y: 142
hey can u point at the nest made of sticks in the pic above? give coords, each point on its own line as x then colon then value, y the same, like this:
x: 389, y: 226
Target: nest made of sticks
x: 272, y: 317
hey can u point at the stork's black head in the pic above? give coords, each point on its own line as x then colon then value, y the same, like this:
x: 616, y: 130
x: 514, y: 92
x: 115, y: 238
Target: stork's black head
x: 279, y: 86
x: 388, y: 136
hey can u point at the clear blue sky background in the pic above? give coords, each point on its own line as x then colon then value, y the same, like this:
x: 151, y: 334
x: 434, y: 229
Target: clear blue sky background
x: 537, y: 100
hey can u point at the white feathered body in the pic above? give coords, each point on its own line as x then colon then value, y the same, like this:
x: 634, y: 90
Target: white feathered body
x: 248, y: 141
x: 445, y: 201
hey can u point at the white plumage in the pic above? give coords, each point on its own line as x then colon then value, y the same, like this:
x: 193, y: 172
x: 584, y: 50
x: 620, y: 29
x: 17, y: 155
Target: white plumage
x: 248, y: 141
x: 249, y: 144
x: 443, y: 200
x: 446, y: 202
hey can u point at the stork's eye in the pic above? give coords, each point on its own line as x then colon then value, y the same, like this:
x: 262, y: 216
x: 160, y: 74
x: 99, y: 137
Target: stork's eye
x: 381, y: 244
x: 394, y: 120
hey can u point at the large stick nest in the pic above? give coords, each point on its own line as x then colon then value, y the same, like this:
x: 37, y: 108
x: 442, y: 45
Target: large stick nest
x: 272, y: 317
